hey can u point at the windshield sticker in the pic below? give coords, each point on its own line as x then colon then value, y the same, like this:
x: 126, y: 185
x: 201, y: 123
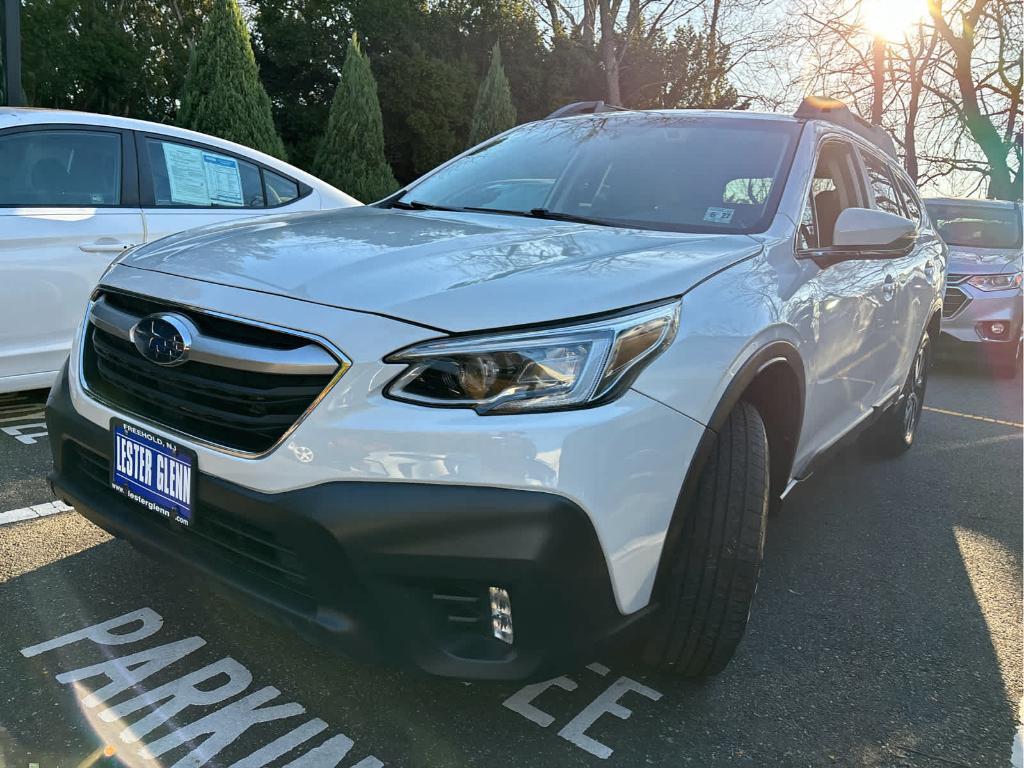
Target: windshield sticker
x: 223, y: 179
x: 719, y: 215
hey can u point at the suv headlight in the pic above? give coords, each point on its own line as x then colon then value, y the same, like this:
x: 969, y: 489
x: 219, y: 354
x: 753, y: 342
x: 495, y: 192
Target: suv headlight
x: 996, y: 282
x: 542, y: 370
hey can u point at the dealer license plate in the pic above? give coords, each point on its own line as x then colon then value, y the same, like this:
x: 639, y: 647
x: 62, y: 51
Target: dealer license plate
x: 153, y: 471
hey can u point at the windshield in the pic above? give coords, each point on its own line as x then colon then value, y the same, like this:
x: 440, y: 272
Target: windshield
x: 977, y: 226
x: 654, y: 171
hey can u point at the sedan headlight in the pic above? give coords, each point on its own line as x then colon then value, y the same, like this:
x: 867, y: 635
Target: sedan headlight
x: 542, y: 370
x: 996, y: 282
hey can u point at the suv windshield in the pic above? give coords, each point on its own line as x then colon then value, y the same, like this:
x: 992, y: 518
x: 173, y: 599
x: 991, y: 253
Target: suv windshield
x: 977, y: 226
x: 687, y: 173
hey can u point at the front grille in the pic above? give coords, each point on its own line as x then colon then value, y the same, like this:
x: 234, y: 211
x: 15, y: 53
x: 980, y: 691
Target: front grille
x: 954, y: 301
x: 248, y: 546
x: 249, y: 411
x: 954, y: 278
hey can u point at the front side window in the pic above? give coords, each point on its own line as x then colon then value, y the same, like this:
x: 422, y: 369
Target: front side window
x: 653, y: 171
x: 188, y: 176
x: 882, y: 187
x: 833, y: 190
x: 60, y: 168
x: 977, y: 226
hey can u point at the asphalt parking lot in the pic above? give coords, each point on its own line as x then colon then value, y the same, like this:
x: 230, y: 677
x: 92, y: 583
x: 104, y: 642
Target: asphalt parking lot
x: 886, y: 632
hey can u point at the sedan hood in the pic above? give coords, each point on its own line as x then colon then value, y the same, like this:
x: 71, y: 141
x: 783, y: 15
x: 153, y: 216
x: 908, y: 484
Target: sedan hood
x: 981, y: 261
x: 449, y: 271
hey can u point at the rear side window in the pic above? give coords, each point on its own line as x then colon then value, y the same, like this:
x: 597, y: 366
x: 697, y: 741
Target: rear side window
x: 910, y: 198
x: 187, y: 176
x: 882, y: 187
x: 60, y: 168
x: 280, y: 190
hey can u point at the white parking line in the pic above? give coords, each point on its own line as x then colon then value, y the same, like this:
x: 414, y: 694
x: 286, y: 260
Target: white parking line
x: 23, y: 417
x: 972, y: 417
x: 33, y: 512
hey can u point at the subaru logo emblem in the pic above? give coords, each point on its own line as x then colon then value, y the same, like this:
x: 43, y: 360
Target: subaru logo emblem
x: 164, y: 339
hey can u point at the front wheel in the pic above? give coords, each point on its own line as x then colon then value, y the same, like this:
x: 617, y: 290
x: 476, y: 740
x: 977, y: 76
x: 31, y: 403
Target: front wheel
x: 896, y: 430
x: 717, y: 561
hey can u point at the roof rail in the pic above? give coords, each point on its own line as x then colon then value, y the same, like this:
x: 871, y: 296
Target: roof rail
x: 584, y: 108
x: 836, y: 112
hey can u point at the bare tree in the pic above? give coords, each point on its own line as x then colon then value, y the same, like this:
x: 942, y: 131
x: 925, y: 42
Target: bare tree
x: 984, y: 37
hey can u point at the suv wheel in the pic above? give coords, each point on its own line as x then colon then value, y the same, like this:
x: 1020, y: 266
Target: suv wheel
x: 716, y: 565
x: 896, y: 430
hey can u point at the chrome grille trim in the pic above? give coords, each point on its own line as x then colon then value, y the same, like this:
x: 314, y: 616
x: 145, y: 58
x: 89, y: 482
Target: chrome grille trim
x: 954, y: 302
x: 308, y: 360
x: 340, y: 368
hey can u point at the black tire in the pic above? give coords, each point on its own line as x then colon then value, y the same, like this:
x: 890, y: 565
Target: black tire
x: 716, y: 565
x: 896, y: 429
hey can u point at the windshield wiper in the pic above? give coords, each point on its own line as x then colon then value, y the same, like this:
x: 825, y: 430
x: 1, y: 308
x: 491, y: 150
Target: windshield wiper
x: 544, y: 213
x: 416, y: 205
x: 535, y: 213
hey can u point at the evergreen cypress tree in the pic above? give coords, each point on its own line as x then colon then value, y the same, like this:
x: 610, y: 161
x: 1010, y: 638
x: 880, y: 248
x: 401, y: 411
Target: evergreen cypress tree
x: 494, y: 111
x: 351, y: 155
x: 223, y: 95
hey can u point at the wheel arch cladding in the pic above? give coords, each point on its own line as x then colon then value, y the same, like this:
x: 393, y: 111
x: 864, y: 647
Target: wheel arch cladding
x: 772, y: 380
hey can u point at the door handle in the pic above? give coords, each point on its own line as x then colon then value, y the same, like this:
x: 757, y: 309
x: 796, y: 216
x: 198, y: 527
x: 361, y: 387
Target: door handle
x: 889, y: 288
x: 104, y: 247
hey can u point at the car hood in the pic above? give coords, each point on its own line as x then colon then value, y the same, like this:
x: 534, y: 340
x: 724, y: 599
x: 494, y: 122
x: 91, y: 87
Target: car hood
x: 450, y: 271
x: 978, y: 261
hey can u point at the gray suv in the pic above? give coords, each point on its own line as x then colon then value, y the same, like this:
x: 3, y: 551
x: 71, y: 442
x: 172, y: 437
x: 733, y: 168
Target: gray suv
x: 982, y: 304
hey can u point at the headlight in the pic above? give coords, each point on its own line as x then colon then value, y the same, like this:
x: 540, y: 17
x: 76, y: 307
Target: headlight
x: 996, y: 282
x: 543, y: 370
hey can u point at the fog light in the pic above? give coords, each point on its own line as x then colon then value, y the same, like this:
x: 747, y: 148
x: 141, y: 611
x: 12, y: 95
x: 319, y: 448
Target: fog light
x: 997, y: 329
x: 501, y: 615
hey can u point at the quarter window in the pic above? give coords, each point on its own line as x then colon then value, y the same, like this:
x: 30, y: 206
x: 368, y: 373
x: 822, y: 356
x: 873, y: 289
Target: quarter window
x: 882, y: 187
x: 279, y: 189
x: 188, y: 176
x: 60, y: 168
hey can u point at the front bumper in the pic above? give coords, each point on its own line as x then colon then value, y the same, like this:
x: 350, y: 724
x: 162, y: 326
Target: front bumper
x: 391, y: 570
x: 974, y: 309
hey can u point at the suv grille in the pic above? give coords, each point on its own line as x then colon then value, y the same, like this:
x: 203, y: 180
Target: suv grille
x: 234, y: 407
x: 954, y: 301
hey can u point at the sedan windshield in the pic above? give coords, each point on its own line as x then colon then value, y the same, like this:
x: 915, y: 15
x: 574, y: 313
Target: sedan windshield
x: 977, y: 226
x: 688, y: 173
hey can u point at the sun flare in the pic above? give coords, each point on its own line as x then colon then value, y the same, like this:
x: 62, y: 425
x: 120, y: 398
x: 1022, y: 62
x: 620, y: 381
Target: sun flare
x: 892, y: 19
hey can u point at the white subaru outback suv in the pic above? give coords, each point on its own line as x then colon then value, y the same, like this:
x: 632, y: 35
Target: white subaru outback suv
x: 534, y: 407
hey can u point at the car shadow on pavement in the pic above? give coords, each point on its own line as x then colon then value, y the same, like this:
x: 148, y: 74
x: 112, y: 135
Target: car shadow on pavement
x: 877, y: 639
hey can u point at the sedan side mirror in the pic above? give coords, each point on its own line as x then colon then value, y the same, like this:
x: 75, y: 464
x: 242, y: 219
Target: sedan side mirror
x: 870, y: 229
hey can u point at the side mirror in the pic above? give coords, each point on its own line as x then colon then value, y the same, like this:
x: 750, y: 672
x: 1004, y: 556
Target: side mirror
x: 866, y: 228
x: 864, y: 233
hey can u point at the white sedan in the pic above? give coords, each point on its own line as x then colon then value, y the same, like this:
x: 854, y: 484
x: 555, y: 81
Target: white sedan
x: 77, y: 189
